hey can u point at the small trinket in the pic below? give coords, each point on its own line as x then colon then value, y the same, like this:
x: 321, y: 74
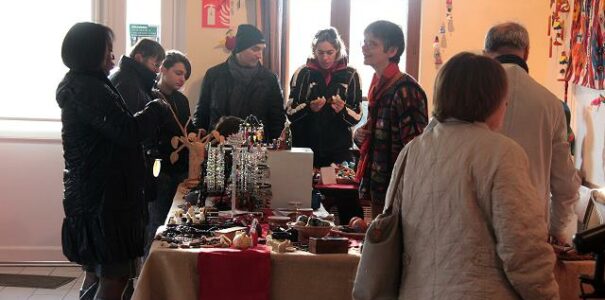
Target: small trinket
x: 437, y: 52
x: 242, y: 241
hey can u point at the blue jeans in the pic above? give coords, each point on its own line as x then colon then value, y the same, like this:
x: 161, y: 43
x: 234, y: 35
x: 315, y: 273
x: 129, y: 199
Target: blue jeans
x: 158, y: 209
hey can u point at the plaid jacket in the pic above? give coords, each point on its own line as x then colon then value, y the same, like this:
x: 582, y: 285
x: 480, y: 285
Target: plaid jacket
x: 401, y: 114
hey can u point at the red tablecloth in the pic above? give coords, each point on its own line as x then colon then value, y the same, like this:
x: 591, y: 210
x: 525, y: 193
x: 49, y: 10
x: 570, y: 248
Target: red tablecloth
x: 233, y: 274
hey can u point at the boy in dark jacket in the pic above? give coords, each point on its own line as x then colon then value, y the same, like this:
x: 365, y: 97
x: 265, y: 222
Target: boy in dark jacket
x: 137, y: 72
x: 134, y: 79
x: 175, y: 70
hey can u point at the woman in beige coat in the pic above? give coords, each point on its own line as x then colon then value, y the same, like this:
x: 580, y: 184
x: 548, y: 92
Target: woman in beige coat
x: 472, y: 226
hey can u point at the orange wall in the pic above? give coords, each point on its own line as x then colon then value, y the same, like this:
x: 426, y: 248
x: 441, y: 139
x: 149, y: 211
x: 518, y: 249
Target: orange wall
x: 472, y: 19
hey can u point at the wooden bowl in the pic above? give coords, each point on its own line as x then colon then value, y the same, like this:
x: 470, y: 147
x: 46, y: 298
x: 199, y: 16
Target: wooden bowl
x: 305, y: 232
x: 305, y: 211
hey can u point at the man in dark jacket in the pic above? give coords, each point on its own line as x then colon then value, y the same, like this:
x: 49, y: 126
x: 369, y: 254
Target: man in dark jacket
x: 241, y: 86
x: 137, y: 73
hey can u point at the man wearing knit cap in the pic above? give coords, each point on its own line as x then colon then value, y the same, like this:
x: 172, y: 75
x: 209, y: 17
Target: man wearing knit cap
x: 241, y: 86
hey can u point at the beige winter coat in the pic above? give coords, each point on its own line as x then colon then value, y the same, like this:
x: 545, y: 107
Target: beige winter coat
x: 535, y: 119
x: 473, y: 227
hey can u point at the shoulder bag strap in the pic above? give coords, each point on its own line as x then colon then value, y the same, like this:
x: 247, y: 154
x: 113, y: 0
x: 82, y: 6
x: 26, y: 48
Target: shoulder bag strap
x: 393, y: 203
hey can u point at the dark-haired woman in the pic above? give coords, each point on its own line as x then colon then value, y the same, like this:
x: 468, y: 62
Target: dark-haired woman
x: 473, y: 226
x: 105, y: 214
x: 324, y: 102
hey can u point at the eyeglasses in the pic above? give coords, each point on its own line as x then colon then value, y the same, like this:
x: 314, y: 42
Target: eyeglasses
x: 369, y: 44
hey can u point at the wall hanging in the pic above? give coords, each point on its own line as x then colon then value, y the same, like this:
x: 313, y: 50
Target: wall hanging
x: 586, y: 61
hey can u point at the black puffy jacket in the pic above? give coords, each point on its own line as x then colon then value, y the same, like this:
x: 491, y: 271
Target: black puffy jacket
x: 103, y: 200
x: 263, y: 99
x: 134, y: 82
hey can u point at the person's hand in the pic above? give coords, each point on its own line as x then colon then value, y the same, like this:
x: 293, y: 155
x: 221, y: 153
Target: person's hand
x: 360, y: 135
x: 337, y: 103
x: 559, y: 240
x: 317, y: 104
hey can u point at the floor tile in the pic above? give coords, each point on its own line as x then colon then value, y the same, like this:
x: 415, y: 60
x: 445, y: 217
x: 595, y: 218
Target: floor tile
x: 60, y: 291
x: 45, y: 297
x: 11, y: 270
x: 67, y: 271
x: 37, y: 270
x: 15, y: 293
x: 72, y: 295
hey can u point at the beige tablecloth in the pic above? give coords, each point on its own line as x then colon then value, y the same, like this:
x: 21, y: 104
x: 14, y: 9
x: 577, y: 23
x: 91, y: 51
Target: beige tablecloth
x: 173, y: 274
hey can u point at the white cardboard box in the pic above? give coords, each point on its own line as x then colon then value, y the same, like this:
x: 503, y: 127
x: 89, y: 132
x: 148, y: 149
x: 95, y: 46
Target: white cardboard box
x: 291, y: 177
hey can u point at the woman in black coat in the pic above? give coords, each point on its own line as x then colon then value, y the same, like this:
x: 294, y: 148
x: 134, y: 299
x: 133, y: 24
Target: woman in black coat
x: 104, y: 205
x: 324, y: 102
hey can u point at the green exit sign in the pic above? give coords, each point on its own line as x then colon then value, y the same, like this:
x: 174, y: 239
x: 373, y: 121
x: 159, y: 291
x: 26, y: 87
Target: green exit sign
x: 139, y: 31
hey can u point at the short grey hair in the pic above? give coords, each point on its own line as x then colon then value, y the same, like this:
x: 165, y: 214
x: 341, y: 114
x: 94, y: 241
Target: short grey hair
x: 509, y: 34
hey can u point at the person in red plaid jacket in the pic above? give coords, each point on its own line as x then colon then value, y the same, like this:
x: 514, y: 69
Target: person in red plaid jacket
x: 397, y: 112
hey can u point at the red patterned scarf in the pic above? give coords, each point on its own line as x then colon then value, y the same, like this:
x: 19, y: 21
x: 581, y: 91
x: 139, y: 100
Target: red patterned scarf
x: 338, y: 65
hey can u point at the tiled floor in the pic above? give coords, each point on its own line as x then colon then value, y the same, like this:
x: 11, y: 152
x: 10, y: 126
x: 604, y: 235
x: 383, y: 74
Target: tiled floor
x: 66, y: 292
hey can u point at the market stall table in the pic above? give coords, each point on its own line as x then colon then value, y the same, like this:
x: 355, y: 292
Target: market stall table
x: 173, y: 274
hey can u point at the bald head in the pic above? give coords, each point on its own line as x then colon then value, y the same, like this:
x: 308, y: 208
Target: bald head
x: 507, y: 38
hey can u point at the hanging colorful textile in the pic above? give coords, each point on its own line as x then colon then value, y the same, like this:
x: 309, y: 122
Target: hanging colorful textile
x: 586, y: 60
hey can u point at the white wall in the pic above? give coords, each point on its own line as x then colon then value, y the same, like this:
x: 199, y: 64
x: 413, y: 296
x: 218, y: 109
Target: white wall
x: 590, y: 133
x: 31, y: 192
x: 31, y: 187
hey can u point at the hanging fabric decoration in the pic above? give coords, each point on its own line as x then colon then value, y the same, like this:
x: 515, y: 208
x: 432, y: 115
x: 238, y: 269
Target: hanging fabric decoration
x: 557, y: 26
x: 437, y: 52
x: 586, y: 61
x: 563, y: 60
x: 598, y: 101
x: 564, y: 6
x: 558, y: 44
